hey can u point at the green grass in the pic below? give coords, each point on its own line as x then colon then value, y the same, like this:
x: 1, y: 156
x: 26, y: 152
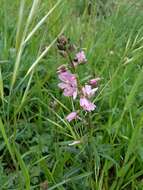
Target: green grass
x: 34, y: 135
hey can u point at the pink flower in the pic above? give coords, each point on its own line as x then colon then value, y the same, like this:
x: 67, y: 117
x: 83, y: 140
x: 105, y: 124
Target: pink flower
x: 66, y: 76
x: 68, y: 84
x: 88, y: 91
x: 93, y: 82
x: 81, y: 58
x: 87, y: 105
x: 71, y: 116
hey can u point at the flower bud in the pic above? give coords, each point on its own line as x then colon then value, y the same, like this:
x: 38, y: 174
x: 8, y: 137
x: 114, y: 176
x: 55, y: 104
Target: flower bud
x: 61, y: 69
x: 93, y: 82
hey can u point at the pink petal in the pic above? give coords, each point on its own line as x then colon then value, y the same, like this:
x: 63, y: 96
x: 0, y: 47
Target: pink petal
x: 80, y: 56
x: 88, y: 91
x: 62, y: 85
x: 68, y: 92
x: 71, y: 116
x: 87, y: 105
x: 66, y: 76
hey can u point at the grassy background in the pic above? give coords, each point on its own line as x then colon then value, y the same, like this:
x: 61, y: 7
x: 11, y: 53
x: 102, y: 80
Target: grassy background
x: 34, y: 138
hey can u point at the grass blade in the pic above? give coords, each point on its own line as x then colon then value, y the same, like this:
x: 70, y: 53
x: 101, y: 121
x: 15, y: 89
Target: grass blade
x: 23, y: 168
x: 1, y: 86
x: 2, y: 128
x: 21, y: 47
x: 71, y: 179
x: 40, y: 23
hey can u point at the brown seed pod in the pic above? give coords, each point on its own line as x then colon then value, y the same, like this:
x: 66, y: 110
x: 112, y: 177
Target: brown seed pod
x: 61, y: 47
x: 62, y: 40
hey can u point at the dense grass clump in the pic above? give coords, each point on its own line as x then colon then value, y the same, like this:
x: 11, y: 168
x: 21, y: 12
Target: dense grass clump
x: 37, y: 149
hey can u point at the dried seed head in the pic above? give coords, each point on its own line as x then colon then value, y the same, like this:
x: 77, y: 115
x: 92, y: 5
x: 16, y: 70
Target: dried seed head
x: 71, y: 47
x: 62, y: 40
x: 61, y: 47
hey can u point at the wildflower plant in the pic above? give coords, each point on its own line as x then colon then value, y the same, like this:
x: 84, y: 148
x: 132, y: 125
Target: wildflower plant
x: 70, y: 82
x: 53, y: 133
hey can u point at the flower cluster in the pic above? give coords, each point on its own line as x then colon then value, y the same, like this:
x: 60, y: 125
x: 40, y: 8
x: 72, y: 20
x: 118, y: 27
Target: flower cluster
x: 70, y: 83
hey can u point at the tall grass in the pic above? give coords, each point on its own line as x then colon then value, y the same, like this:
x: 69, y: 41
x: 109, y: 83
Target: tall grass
x: 35, y: 138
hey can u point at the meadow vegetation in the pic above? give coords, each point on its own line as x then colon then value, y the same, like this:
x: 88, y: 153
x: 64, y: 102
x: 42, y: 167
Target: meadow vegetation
x: 38, y: 148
